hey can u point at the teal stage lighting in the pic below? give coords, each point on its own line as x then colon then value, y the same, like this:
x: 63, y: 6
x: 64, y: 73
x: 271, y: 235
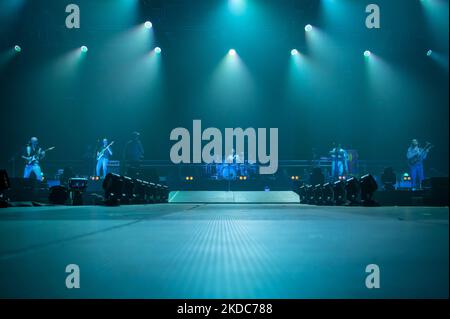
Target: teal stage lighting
x: 148, y: 25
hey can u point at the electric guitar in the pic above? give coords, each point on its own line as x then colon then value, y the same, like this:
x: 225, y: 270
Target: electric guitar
x: 102, y: 152
x: 31, y: 159
x: 421, y: 156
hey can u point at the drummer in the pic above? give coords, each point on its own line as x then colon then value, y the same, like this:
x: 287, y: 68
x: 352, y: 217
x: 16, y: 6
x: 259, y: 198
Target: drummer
x: 231, y: 158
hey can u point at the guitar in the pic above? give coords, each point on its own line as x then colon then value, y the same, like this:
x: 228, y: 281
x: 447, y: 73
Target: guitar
x: 102, y: 152
x: 31, y: 159
x: 421, y: 156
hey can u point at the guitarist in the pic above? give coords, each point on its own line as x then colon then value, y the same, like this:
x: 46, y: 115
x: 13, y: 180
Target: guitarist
x: 33, y: 153
x: 103, y: 156
x: 415, y: 156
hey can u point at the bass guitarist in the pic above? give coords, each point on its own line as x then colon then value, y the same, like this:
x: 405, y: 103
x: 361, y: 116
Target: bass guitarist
x: 416, y: 156
x: 103, y: 156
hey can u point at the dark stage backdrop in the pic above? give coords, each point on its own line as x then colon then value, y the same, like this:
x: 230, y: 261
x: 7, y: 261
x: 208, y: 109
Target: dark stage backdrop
x: 329, y: 93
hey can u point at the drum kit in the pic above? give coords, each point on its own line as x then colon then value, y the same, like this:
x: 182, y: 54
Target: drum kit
x: 230, y: 171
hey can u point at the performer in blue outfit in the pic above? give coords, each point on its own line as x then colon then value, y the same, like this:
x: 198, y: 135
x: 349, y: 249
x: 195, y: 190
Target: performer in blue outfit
x: 416, y: 156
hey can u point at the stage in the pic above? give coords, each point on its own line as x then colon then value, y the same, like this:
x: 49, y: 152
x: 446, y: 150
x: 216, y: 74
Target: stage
x: 224, y: 251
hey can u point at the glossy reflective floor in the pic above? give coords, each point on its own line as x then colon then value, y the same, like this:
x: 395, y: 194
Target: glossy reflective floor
x: 224, y: 251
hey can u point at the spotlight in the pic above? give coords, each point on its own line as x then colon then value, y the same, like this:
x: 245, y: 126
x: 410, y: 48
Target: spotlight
x: 58, y: 195
x: 327, y: 194
x: 112, y: 185
x: 429, y: 52
x: 84, y: 49
x: 339, y: 192
x: 127, y: 191
x: 4, y: 185
x: 157, y: 50
x: 148, y: 25
x: 17, y: 48
x: 151, y: 192
x: 309, y: 194
x: 368, y: 187
x: 308, y: 28
x: 232, y: 52
x: 353, y: 190
x: 79, y: 184
x: 302, y: 193
x: 367, y: 53
x: 317, y: 195
x: 294, y: 52
x: 389, y: 179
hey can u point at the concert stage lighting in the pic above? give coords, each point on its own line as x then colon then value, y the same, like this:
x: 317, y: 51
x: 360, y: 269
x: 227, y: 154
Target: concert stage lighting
x: 139, y: 190
x: 302, y: 193
x: 4, y: 185
x: 317, y: 195
x: 317, y: 176
x: 429, y: 52
x: 79, y: 184
x: 339, y: 192
x: 294, y: 52
x: 157, y: 50
x: 17, y: 48
x: 112, y: 185
x: 148, y: 25
x: 309, y: 199
x: 308, y: 28
x: 4, y: 180
x: 76, y: 187
x: 388, y: 178
x: 232, y: 52
x: 128, y: 188
x: 368, y: 186
x: 367, y: 53
x: 84, y: 49
x: 58, y: 195
x: 327, y: 194
x: 353, y: 190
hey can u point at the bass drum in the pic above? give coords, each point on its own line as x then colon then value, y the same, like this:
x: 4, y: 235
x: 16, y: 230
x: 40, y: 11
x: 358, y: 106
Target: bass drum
x: 229, y: 172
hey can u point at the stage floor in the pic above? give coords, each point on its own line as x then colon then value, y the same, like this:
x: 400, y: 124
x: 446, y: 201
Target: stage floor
x: 224, y: 251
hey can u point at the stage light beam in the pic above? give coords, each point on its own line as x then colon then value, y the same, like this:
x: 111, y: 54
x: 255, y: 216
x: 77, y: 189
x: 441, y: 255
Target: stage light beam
x: 148, y: 25
x: 84, y: 49
x: 157, y: 50
x: 232, y: 52
x: 308, y: 28
x: 17, y: 48
x: 294, y: 52
x: 367, y: 53
x: 429, y: 52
